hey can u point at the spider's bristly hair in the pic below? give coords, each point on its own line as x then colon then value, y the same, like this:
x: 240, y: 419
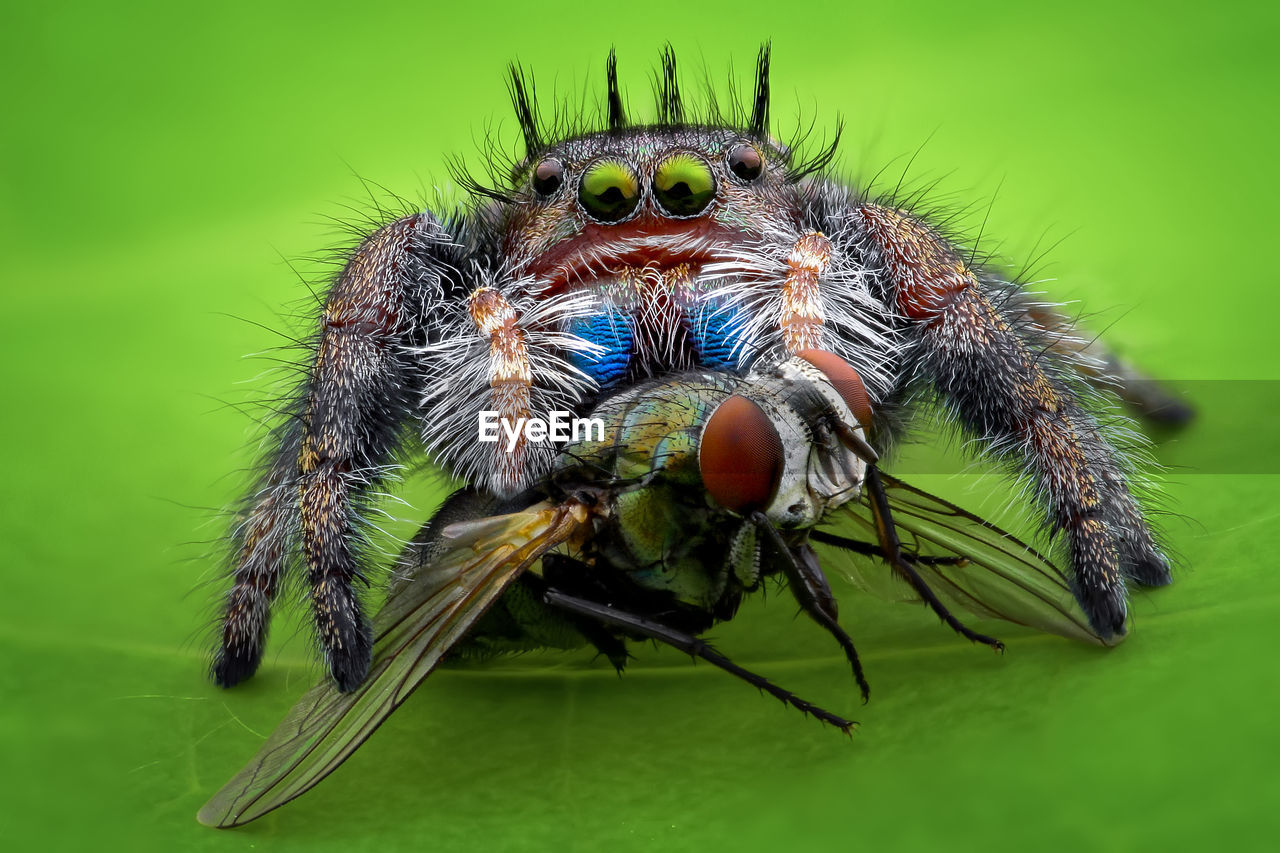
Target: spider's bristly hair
x: 819, y: 160
x: 759, y: 125
x: 463, y: 178
x: 524, y: 100
x: 750, y: 115
x: 670, y: 107
x: 617, y: 115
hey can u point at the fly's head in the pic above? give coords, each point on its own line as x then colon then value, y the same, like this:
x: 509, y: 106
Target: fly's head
x: 791, y: 442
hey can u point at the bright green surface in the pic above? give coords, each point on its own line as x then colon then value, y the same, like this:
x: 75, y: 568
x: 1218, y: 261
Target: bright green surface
x: 159, y: 162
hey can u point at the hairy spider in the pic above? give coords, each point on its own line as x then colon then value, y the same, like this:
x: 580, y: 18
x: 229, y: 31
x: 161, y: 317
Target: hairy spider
x: 611, y: 255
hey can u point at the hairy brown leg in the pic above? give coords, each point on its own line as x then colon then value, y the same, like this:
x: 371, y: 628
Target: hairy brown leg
x: 1103, y: 367
x: 1009, y: 393
x: 802, y: 316
x: 359, y: 391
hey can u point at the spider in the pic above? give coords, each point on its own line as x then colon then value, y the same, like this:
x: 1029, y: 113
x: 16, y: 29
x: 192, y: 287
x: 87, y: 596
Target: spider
x: 610, y: 255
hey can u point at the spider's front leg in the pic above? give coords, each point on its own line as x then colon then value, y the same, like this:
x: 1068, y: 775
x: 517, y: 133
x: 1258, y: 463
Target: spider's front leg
x: 1011, y: 393
x: 361, y: 387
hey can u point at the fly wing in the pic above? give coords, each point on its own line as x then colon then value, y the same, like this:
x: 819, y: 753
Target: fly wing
x: 424, y: 617
x: 1003, y: 578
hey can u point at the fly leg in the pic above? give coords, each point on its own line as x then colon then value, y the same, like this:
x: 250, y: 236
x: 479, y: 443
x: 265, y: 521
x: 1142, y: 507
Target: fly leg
x: 809, y: 585
x: 873, y: 549
x: 689, y: 644
x: 563, y: 571
x: 891, y: 550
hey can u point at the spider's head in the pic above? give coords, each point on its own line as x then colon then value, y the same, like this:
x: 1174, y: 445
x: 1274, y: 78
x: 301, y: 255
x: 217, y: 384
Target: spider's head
x: 670, y: 195
x: 651, y: 197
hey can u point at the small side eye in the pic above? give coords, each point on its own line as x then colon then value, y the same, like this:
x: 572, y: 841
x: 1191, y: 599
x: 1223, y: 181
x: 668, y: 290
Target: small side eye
x: 745, y: 162
x: 548, y: 177
x: 610, y: 191
x: 741, y: 456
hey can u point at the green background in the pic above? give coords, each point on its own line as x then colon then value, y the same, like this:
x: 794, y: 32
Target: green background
x: 163, y: 162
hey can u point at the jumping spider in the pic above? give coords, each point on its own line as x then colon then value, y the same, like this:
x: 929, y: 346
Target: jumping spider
x: 632, y: 250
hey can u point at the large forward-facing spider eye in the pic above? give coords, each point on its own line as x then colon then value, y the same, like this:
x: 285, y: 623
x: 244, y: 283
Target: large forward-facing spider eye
x: 845, y: 380
x: 548, y: 176
x: 610, y: 191
x: 684, y: 185
x: 745, y: 162
x: 740, y: 456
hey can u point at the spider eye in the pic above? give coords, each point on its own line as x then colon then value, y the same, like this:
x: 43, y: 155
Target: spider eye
x: 609, y: 191
x: 740, y: 456
x: 745, y: 162
x: 547, y: 177
x: 684, y: 185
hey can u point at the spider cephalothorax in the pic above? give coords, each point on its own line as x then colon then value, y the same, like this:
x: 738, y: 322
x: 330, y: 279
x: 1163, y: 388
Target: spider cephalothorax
x: 625, y: 252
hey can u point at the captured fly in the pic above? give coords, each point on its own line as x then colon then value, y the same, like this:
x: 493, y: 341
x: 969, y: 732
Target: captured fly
x: 704, y: 485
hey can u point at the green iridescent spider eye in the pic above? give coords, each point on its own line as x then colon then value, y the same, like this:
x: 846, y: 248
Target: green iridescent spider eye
x: 609, y: 191
x: 684, y: 185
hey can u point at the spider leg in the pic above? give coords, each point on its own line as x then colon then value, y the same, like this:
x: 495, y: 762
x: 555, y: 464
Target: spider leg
x: 510, y: 376
x: 690, y: 645
x: 1014, y: 396
x: 802, y: 315
x: 1107, y: 371
x: 360, y: 388
x: 1103, y: 368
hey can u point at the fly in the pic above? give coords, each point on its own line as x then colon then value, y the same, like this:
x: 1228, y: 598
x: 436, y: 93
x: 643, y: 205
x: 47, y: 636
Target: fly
x: 704, y: 485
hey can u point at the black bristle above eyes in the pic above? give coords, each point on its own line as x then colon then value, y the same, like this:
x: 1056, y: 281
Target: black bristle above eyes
x: 526, y: 107
x: 670, y: 107
x: 508, y: 174
x: 759, y: 125
x: 617, y: 115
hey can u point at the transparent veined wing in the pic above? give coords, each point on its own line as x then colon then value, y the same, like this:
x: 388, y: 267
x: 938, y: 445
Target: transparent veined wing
x: 1003, y: 578
x: 426, y: 614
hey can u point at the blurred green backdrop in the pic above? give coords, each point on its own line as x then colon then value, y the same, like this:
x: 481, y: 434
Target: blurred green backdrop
x: 162, y: 162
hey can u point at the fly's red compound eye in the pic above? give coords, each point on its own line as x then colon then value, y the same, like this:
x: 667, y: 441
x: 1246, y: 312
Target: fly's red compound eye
x: 845, y: 380
x: 740, y: 456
